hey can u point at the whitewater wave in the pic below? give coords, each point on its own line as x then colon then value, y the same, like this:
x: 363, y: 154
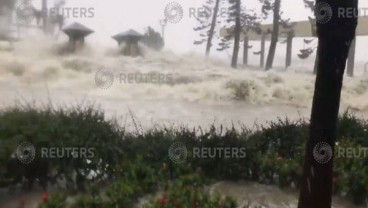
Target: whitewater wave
x: 35, y: 64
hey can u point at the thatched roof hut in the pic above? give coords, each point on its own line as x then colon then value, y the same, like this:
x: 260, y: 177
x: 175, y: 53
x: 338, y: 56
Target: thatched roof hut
x: 130, y: 35
x: 76, y: 33
x: 131, y: 39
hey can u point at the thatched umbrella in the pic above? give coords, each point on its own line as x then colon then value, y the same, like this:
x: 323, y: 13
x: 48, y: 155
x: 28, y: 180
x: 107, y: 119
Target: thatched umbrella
x: 76, y: 33
x: 130, y: 38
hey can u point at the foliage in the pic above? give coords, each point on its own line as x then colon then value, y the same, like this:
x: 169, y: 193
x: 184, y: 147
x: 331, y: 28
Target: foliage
x: 80, y: 127
x: 129, y: 166
x: 136, y: 180
x: 56, y: 200
x: 153, y: 39
x: 89, y: 201
x: 188, y: 191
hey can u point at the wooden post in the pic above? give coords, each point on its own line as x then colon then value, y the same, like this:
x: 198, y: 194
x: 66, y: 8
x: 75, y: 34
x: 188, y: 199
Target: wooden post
x: 44, y: 15
x: 72, y: 43
x: 245, y: 52
x: 351, y: 59
x: 263, y: 40
x: 289, y: 49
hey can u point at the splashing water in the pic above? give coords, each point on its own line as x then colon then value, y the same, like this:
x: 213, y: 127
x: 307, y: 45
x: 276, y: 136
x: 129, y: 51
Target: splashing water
x: 200, y: 90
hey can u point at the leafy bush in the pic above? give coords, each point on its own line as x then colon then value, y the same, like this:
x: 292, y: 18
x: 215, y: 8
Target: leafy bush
x: 90, y: 201
x: 153, y: 39
x: 56, y: 200
x: 188, y: 191
x: 132, y: 165
x: 136, y: 180
x: 73, y: 128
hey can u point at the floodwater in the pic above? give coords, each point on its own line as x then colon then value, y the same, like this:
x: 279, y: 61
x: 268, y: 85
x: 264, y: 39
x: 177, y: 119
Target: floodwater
x: 197, y: 91
x: 194, y: 90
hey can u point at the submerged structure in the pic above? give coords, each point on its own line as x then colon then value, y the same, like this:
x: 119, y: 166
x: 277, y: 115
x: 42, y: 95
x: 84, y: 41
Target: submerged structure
x: 77, y: 33
x: 131, y: 39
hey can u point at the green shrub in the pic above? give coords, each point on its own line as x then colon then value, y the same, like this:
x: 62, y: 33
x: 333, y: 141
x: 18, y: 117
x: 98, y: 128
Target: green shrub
x: 89, y: 201
x: 188, y: 191
x: 55, y: 200
x: 77, y: 127
x: 132, y: 165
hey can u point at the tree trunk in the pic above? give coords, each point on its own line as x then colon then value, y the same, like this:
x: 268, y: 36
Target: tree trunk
x: 212, y: 28
x: 44, y: 15
x: 351, y: 59
x: 334, y: 39
x: 237, y: 31
x: 289, y: 49
x: 245, y: 50
x: 263, y: 43
x: 275, y: 34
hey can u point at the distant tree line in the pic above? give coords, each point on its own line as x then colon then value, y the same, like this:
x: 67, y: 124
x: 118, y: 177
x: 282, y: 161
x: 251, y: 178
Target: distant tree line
x: 239, y: 21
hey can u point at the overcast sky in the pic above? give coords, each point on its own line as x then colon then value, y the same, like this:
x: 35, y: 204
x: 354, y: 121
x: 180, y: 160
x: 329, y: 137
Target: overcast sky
x: 114, y: 16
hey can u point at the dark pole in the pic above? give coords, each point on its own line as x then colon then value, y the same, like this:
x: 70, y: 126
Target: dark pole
x: 44, y: 15
x: 263, y: 40
x: 351, y: 59
x: 289, y: 48
x: 334, y: 38
x: 163, y: 24
x: 245, y: 51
